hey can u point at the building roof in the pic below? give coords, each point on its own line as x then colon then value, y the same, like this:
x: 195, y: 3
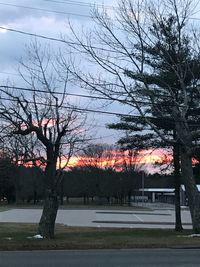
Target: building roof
x: 159, y: 190
x: 164, y: 190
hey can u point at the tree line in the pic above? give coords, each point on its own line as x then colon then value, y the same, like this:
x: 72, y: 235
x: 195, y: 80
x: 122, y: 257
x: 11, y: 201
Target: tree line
x: 20, y: 184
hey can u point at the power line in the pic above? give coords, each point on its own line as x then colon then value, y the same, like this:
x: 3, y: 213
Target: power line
x: 59, y: 40
x: 35, y: 35
x: 78, y: 3
x: 45, y: 10
x: 71, y: 43
x: 55, y: 92
x: 65, y: 13
x: 54, y: 39
x: 60, y: 93
x: 86, y: 110
x: 83, y: 95
x: 96, y: 5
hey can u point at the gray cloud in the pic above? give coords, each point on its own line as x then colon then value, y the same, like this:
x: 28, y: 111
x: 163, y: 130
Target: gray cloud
x: 11, y: 13
x: 40, y: 22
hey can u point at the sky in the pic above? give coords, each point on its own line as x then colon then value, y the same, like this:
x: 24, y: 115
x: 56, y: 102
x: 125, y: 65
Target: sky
x: 50, y: 18
x: 151, y: 161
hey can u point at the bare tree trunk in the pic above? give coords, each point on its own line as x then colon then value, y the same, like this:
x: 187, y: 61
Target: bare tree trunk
x: 178, y: 222
x: 176, y: 157
x: 47, y: 222
x: 62, y: 193
x: 192, y: 192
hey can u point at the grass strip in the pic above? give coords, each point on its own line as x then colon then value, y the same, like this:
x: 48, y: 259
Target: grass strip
x: 14, y: 236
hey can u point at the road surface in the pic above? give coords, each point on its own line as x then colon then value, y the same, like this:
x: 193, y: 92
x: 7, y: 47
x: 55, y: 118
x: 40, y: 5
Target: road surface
x: 103, y: 258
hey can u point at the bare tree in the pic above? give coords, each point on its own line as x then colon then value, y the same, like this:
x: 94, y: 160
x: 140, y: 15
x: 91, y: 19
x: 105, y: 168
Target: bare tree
x: 21, y: 149
x: 101, y: 156
x: 148, y: 60
x: 47, y: 117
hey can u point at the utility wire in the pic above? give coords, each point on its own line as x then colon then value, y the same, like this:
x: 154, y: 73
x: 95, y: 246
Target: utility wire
x: 95, y: 4
x: 86, y: 110
x: 62, y: 12
x: 122, y: 101
x: 45, y: 10
x: 54, y: 39
x: 83, y: 95
x: 53, y: 92
x: 58, y: 39
x: 84, y: 4
x: 62, y: 41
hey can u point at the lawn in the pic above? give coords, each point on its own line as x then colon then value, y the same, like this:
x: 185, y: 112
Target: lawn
x: 15, y: 236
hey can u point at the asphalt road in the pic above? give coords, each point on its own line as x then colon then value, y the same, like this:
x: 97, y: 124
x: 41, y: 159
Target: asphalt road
x: 102, y: 258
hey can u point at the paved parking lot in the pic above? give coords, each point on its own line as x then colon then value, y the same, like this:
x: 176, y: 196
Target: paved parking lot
x: 150, y: 218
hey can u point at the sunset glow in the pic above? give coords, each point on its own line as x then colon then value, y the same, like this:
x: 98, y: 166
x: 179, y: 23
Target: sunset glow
x: 118, y: 159
x: 115, y: 160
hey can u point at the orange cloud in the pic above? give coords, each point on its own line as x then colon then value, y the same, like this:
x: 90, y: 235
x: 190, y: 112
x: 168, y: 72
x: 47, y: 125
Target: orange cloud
x: 116, y: 159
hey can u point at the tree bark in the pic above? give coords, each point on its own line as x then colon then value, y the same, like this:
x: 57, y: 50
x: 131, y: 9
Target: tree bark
x: 176, y: 157
x: 47, y: 222
x: 186, y: 153
x: 178, y: 222
x: 192, y: 192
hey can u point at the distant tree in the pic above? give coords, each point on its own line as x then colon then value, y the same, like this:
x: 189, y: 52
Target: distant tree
x: 29, y: 184
x: 101, y: 156
x: 7, y: 181
x: 85, y: 182
x: 90, y: 182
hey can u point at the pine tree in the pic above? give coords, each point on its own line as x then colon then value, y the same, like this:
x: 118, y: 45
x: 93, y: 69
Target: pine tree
x: 171, y: 59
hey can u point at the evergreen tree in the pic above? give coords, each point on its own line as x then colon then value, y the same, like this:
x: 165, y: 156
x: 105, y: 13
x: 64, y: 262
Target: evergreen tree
x: 150, y: 64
